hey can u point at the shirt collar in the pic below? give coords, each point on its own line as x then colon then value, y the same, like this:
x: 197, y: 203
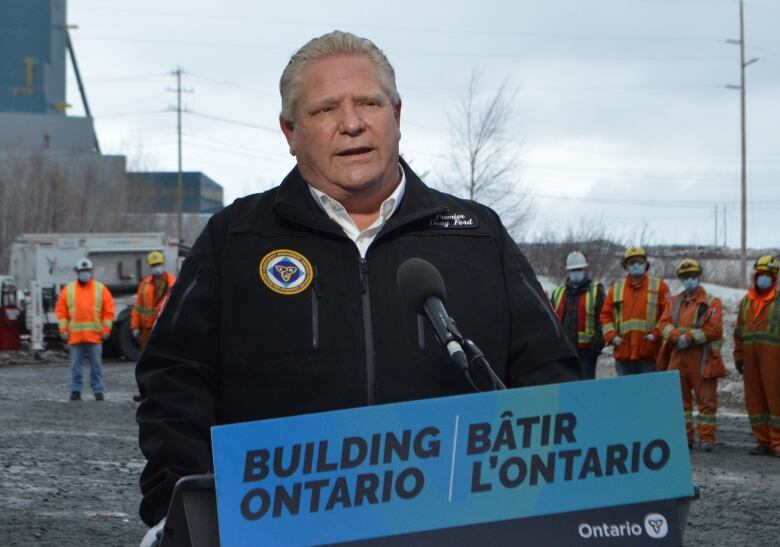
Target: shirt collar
x: 386, y: 210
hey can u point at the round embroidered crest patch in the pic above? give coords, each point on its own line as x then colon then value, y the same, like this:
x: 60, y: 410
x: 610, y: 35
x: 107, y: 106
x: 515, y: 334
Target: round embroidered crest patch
x: 286, y: 272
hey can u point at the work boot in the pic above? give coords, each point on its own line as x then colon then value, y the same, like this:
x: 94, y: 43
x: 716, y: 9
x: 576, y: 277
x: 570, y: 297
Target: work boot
x: 75, y: 396
x: 759, y: 450
x: 99, y: 397
x: 707, y: 447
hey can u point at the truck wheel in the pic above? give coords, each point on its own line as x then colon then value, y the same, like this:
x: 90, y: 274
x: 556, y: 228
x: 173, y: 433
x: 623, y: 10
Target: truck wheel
x: 128, y: 346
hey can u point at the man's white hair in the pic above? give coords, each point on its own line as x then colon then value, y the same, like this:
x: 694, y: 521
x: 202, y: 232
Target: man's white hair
x: 333, y: 43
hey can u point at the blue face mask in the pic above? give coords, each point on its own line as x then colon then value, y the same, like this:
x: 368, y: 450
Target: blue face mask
x: 576, y: 277
x: 157, y: 270
x: 690, y: 283
x: 636, y: 270
x: 84, y: 277
x: 763, y: 282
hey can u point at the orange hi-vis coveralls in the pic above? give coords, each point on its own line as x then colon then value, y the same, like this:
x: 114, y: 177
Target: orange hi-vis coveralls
x: 148, y: 303
x: 85, y: 311
x: 757, y: 345
x: 631, y: 311
x: 699, y: 317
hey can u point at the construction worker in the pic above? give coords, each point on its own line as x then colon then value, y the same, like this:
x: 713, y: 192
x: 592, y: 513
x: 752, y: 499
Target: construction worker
x: 578, y: 304
x: 630, y: 313
x: 85, y: 311
x: 757, y: 355
x: 152, y: 291
x: 692, y: 329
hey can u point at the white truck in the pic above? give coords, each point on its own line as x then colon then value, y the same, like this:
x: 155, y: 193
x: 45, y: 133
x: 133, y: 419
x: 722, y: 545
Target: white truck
x: 42, y: 263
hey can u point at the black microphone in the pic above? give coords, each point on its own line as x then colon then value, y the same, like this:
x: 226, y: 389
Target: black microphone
x: 421, y: 285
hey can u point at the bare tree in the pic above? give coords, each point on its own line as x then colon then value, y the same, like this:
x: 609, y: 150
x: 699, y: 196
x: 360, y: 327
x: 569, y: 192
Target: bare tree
x: 39, y: 194
x: 484, y: 158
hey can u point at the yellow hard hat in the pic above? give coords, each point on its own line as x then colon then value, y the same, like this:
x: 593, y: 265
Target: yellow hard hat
x: 633, y: 252
x: 767, y: 263
x: 689, y: 266
x: 154, y: 258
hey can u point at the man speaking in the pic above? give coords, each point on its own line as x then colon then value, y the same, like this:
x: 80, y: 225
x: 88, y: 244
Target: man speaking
x: 287, y: 303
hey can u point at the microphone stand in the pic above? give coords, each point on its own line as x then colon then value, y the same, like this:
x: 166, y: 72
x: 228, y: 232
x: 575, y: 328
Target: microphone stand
x: 475, y: 358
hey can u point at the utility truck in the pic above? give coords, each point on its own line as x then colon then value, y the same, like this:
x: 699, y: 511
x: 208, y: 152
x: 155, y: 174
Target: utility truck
x: 41, y: 264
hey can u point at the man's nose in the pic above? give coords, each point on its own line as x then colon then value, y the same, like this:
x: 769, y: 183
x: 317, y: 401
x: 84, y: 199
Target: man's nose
x: 351, y: 121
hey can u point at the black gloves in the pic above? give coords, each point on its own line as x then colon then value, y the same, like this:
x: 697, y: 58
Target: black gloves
x: 740, y: 366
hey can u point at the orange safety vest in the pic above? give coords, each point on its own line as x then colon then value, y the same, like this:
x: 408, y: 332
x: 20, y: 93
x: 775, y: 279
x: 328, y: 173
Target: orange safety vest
x: 754, y: 325
x: 85, y: 312
x: 149, y: 299
x: 757, y: 343
x: 631, y: 312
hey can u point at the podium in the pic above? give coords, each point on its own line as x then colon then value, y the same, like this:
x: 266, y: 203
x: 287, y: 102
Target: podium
x: 602, y: 462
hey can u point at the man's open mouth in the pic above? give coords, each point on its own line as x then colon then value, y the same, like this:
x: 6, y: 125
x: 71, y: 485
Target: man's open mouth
x: 355, y: 151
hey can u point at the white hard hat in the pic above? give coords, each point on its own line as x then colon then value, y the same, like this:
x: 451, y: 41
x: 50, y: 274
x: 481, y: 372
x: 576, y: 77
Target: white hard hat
x: 83, y: 264
x: 576, y: 261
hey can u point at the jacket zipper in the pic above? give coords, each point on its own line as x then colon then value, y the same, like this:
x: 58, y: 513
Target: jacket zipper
x: 183, y: 298
x: 315, y: 311
x: 367, y: 334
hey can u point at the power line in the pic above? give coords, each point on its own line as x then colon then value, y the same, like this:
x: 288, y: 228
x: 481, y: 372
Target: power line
x: 231, y: 146
x: 134, y: 77
x: 683, y: 204
x: 125, y: 114
x: 274, y: 130
x: 231, y: 84
x: 422, y: 30
x: 229, y: 150
x: 459, y: 54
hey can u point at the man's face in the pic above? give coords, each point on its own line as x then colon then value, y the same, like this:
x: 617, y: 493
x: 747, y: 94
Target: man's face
x: 345, y: 132
x: 636, y: 266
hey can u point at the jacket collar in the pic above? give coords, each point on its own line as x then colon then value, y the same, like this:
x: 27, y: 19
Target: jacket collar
x: 698, y: 296
x: 294, y: 202
x: 638, y: 283
x: 580, y: 287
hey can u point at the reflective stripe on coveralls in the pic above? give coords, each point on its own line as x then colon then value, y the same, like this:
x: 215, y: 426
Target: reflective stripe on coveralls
x: 769, y: 336
x: 95, y: 325
x: 704, y: 389
x: 645, y: 325
x: 760, y: 391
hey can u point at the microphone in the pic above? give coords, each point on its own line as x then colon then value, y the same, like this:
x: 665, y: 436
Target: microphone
x: 421, y: 284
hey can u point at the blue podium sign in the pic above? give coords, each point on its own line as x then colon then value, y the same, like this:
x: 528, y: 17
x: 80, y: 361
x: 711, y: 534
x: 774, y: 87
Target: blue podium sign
x: 455, y: 462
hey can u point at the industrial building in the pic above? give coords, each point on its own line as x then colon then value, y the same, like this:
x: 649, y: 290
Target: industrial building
x: 33, y: 122
x: 157, y: 192
x: 33, y: 40
x: 42, y: 147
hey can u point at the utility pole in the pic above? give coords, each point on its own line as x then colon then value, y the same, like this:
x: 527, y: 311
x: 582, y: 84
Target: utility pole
x: 716, y: 226
x: 179, y: 175
x: 725, y: 232
x: 741, y: 87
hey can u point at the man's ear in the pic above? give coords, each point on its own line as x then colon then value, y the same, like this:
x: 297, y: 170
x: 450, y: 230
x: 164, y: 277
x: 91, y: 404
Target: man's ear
x: 288, y: 128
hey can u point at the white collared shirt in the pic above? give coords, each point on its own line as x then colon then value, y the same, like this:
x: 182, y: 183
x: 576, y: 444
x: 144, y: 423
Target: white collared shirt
x: 340, y: 216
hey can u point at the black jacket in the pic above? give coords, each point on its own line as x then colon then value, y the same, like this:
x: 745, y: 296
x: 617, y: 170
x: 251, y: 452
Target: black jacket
x: 227, y: 348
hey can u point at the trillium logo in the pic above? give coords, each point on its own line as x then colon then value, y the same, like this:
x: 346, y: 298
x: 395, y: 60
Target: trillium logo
x: 656, y: 526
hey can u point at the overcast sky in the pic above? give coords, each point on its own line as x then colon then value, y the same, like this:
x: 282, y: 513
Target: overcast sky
x: 622, y: 117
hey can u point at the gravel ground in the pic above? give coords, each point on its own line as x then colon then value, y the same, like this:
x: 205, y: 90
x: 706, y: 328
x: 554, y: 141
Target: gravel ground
x: 70, y: 469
